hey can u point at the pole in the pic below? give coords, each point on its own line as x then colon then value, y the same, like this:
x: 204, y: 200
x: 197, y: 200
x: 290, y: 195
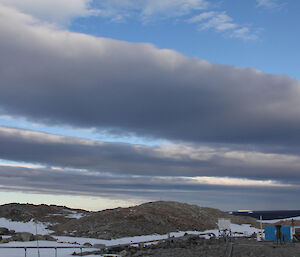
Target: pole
x: 261, y: 231
x: 37, y: 239
x: 231, y: 250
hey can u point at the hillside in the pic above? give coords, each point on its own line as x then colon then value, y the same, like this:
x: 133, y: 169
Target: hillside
x: 149, y: 218
x: 52, y: 214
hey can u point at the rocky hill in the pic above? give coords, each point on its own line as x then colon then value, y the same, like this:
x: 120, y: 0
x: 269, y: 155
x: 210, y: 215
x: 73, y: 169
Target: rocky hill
x: 52, y: 214
x: 149, y: 218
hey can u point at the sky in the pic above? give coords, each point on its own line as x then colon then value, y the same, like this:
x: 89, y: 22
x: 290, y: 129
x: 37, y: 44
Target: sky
x: 115, y: 103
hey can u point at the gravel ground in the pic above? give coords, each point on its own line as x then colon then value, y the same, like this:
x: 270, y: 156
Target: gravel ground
x: 265, y: 249
x: 193, y: 246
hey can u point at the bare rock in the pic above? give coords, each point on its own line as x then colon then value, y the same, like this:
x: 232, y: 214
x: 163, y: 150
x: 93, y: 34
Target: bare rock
x: 4, y: 231
x: 44, y: 237
x: 150, y: 218
x: 100, y: 246
x: 23, y: 237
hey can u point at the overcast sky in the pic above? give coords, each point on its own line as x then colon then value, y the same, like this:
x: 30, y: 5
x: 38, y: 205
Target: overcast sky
x: 113, y: 103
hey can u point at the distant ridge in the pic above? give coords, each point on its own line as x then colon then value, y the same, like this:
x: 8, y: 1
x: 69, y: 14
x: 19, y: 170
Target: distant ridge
x: 269, y: 215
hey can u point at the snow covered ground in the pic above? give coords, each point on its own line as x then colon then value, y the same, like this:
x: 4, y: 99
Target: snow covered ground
x: 244, y: 229
x: 34, y: 252
x: 12, y: 252
x: 75, y: 215
x: 25, y: 226
x: 70, y: 214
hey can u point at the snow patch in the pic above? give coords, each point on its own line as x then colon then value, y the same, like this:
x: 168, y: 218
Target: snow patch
x: 243, y: 230
x: 75, y: 215
x: 43, y: 252
x: 25, y: 226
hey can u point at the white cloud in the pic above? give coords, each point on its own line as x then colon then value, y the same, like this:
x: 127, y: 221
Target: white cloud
x: 62, y: 12
x: 21, y: 165
x: 244, y: 33
x: 201, y: 17
x: 227, y: 181
x: 54, y: 11
x: 35, y: 136
x: 173, y: 7
x: 219, y: 21
x: 205, y: 153
x: 222, y: 22
x: 149, y: 10
x: 271, y: 4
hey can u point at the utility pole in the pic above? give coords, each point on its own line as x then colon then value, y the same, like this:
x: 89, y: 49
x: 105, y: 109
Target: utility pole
x: 37, y: 239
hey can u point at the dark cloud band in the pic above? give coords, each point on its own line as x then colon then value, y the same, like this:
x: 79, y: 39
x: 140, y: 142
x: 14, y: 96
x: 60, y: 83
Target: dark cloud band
x: 59, y: 77
x: 123, y: 158
x: 71, y: 182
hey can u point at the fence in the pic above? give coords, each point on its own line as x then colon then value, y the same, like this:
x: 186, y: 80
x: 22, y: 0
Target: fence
x: 43, y: 247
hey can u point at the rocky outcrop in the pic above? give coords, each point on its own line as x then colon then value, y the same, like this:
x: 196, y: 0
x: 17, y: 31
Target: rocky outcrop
x: 22, y: 236
x: 25, y: 237
x: 149, y: 218
x: 42, y: 213
x: 6, y: 232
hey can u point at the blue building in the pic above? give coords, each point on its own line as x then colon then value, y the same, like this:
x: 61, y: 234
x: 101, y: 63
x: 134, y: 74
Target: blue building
x: 279, y: 233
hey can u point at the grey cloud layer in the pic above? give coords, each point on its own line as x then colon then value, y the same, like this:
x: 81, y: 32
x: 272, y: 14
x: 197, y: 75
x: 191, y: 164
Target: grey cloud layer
x: 43, y: 180
x: 123, y: 159
x: 58, y: 77
x: 53, y: 10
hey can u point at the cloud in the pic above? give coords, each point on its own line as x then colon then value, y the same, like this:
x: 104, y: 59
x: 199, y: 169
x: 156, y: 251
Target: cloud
x: 225, y: 181
x: 270, y: 4
x: 63, y: 12
x: 203, y: 191
x: 57, y: 77
x: 244, y: 33
x: 227, y: 127
x: 148, y: 10
x: 221, y: 22
x: 171, y: 160
x: 152, y: 10
x: 218, y: 21
x: 54, y: 11
x: 201, y: 17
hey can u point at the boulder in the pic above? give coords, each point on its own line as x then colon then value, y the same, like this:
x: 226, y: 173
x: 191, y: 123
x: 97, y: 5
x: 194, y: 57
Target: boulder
x: 44, y: 237
x: 123, y: 253
x: 23, y: 237
x: 4, y: 231
x: 5, y: 240
x: 100, y: 246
